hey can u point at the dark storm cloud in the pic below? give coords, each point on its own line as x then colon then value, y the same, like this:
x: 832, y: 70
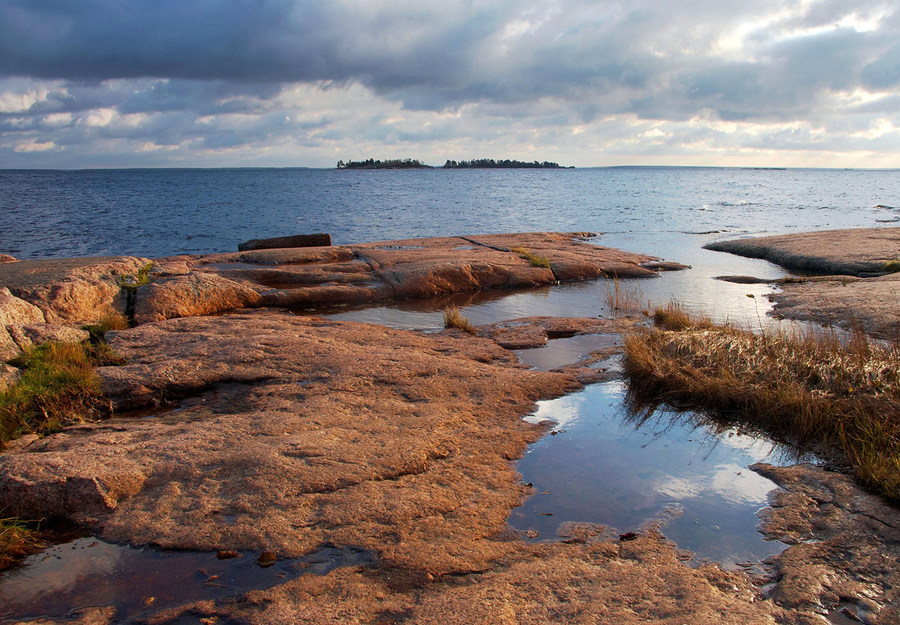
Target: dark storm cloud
x: 445, y: 55
x: 235, y: 40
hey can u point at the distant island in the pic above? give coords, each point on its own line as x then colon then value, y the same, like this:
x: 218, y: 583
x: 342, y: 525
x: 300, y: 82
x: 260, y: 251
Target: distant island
x: 489, y: 163
x: 369, y: 163
x: 481, y: 163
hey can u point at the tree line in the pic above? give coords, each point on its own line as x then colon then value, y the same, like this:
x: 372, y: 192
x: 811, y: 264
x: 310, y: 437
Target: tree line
x: 489, y: 163
x: 480, y: 163
x: 370, y: 163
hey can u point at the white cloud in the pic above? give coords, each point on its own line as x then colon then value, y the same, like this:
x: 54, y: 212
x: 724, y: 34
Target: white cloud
x: 35, y: 146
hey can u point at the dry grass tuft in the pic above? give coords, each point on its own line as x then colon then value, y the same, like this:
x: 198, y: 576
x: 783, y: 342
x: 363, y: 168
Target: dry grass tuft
x: 811, y: 387
x: 17, y: 540
x: 453, y: 319
x: 622, y: 299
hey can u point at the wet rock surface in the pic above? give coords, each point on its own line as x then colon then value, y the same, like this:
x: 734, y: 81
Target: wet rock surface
x: 530, y: 332
x: 845, y: 544
x: 586, y: 579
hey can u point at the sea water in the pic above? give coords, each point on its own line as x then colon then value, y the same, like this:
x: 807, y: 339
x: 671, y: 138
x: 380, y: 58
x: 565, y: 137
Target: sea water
x: 160, y: 212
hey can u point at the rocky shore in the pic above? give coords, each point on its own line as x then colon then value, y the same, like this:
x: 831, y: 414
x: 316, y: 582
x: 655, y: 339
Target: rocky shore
x: 853, y: 276
x: 243, y: 428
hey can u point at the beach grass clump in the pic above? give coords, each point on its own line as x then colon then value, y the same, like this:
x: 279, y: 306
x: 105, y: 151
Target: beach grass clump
x: 622, y: 299
x: 534, y: 259
x: 454, y: 319
x: 17, y: 540
x: 818, y: 388
x: 109, y: 322
x: 58, y: 386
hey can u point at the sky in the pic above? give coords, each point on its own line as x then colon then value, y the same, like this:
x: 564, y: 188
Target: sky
x: 305, y: 83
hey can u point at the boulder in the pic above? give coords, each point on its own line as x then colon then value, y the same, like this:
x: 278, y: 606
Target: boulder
x: 71, y: 290
x: 297, y: 240
x: 16, y: 311
x: 6, y: 258
x: 8, y: 347
x: 196, y: 294
x: 39, y: 333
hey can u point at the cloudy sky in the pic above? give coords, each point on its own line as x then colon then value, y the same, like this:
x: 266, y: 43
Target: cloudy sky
x: 110, y: 83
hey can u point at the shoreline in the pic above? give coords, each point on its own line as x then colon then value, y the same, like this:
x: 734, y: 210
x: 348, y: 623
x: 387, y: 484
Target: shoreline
x: 294, y: 432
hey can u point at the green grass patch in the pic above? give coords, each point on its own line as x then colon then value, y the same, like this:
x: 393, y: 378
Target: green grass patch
x: 815, y: 387
x: 17, y: 540
x: 534, y: 259
x: 58, y: 386
x: 453, y: 319
x: 141, y: 277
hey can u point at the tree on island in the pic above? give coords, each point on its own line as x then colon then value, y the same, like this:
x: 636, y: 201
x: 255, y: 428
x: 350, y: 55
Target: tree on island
x: 489, y: 163
x: 370, y: 163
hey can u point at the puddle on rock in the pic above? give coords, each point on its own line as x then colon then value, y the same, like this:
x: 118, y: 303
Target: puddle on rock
x: 90, y: 572
x: 598, y: 466
x: 558, y: 353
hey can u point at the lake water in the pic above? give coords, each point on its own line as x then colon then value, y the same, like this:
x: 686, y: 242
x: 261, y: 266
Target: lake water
x: 602, y: 464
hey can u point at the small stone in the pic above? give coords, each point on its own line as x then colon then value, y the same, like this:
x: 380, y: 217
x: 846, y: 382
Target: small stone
x: 227, y: 554
x: 266, y: 559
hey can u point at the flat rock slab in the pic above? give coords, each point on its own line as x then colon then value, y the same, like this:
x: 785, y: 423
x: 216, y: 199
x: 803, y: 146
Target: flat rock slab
x: 843, y: 554
x: 71, y: 290
x: 850, y: 252
x: 296, y: 432
x: 870, y: 303
x: 387, y: 270
x: 842, y: 300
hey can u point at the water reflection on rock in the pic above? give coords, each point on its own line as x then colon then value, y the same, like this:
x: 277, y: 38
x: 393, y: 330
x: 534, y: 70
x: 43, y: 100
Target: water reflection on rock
x: 623, y: 469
